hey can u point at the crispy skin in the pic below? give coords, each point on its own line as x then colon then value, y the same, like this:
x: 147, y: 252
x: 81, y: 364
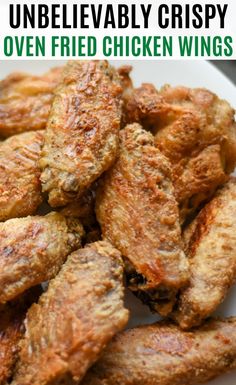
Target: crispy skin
x: 145, y: 106
x: 138, y: 213
x: 211, y: 247
x: 32, y: 250
x: 126, y: 81
x: 20, y: 189
x: 82, y: 132
x: 196, y: 131
x: 25, y: 101
x: 162, y: 354
x: 75, y: 319
x: 84, y: 210
x: 127, y: 86
x: 11, y: 331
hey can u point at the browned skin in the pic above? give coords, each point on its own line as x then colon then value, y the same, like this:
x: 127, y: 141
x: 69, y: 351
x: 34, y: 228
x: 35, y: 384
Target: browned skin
x: 75, y: 319
x: 12, y: 330
x: 211, y: 247
x: 162, y: 354
x: 32, y: 250
x: 25, y: 101
x: 138, y: 213
x: 82, y: 132
x: 195, y: 130
x: 20, y: 189
x: 126, y: 81
x: 84, y: 210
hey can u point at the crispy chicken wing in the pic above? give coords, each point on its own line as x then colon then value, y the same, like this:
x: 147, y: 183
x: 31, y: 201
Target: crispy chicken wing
x: 75, y: 319
x: 138, y: 213
x: 11, y: 331
x: 25, y: 101
x: 212, y: 252
x: 32, y: 250
x: 161, y: 354
x: 20, y: 189
x: 82, y: 132
x: 196, y: 131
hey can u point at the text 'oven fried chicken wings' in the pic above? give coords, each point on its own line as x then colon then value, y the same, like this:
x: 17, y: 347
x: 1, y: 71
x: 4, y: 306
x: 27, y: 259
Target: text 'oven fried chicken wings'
x: 212, y: 255
x: 32, y: 250
x: 75, y: 319
x: 20, y: 189
x: 161, y: 354
x: 25, y: 101
x: 196, y: 131
x: 12, y: 316
x: 82, y: 133
x: 138, y: 214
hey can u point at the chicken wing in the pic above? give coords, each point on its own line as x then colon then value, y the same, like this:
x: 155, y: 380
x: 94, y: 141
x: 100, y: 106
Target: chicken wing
x: 75, y: 319
x: 25, y: 101
x: 82, y: 133
x: 212, y: 252
x: 161, y: 354
x: 195, y: 130
x: 11, y: 331
x: 20, y: 189
x: 32, y: 250
x: 138, y: 214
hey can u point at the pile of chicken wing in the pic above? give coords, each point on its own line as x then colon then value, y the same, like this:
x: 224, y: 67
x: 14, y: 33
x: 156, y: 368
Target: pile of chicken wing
x: 105, y: 186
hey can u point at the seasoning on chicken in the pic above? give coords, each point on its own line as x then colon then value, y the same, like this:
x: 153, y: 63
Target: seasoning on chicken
x: 138, y: 214
x: 20, y: 189
x: 84, y: 209
x: 195, y: 130
x: 32, y: 250
x: 75, y: 319
x: 212, y: 256
x: 162, y: 354
x: 25, y: 101
x: 82, y: 133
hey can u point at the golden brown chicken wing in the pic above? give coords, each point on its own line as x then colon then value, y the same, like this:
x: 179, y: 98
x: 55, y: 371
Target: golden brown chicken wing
x: 25, y: 101
x: 75, y: 319
x: 20, y: 189
x: 32, y: 250
x: 196, y: 131
x: 82, y: 132
x: 138, y: 213
x: 161, y: 354
x: 212, y: 256
x: 11, y: 331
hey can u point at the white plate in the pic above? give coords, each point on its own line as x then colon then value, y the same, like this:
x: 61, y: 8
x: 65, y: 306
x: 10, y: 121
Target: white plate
x: 188, y: 73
